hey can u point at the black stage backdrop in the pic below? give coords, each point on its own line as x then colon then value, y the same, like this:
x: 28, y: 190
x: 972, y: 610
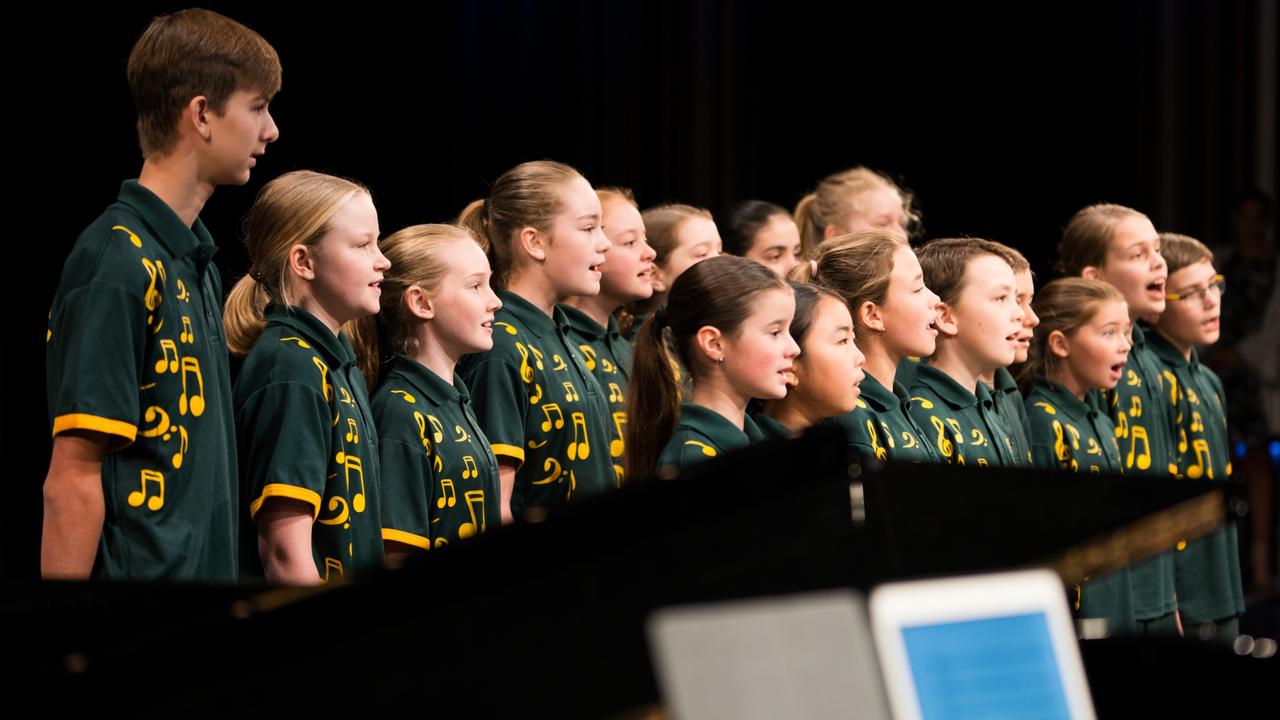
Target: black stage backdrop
x: 1002, y: 121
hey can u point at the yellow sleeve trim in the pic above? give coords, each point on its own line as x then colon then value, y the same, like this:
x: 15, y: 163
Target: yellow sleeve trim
x: 512, y: 451
x: 406, y: 538
x: 81, y: 421
x: 310, y: 497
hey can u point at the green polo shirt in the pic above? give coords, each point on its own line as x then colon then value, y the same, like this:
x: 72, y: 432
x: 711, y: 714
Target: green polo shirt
x: 439, y: 476
x: 880, y: 426
x: 1013, y: 413
x: 769, y: 428
x: 540, y: 407
x: 907, y: 371
x: 306, y: 433
x: 1076, y: 435
x: 1207, y: 569
x: 703, y: 433
x: 1144, y: 422
x: 607, y: 355
x: 135, y: 351
x: 965, y: 427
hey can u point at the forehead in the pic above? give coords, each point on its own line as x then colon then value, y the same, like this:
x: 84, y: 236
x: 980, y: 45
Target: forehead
x: 987, y: 271
x: 696, y: 230
x: 880, y: 200
x: 1111, y: 311
x: 1024, y: 281
x: 356, y: 216
x: 1131, y: 230
x: 780, y: 229
x: 1197, y: 273
x: 773, y: 304
x: 620, y: 214
x: 579, y: 199
x: 830, y: 313
x: 905, y: 263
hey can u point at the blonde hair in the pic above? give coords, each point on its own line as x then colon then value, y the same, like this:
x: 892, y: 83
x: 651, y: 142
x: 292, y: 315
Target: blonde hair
x: 1087, y: 237
x: 294, y: 209
x: 836, y: 200
x: 662, y: 227
x: 414, y: 253
x: 619, y: 194
x: 527, y: 195
x: 856, y: 266
x: 1179, y: 251
x: 1065, y: 305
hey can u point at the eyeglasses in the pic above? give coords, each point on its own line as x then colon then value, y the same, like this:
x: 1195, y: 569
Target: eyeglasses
x: 1195, y: 298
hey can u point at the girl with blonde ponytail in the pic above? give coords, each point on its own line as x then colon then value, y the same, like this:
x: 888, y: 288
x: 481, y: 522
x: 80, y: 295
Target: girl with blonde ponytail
x: 308, y: 446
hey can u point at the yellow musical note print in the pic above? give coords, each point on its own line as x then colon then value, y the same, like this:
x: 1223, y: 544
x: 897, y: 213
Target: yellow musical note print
x: 1122, y: 425
x: 548, y: 410
x: 188, y: 335
x: 351, y: 463
x: 1197, y: 422
x: 958, y: 438
x: 615, y: 393
x: 345, y: 397
x: 460, y: 435
x: 1133, y: 380
x: 505, y: 326
x: 923, y: 403
x: 469, y: 529
x: 608, y: 366
x: 1135, y: 406
x: 332, y: 564
x: 1093, y: 448
x: 617, y: 445
x: 559, y: 363
x: 189, y: 400
x: 437, y: 429
x: 589, y: 353
x: 301, y: 343
x: 154, y: 295
x: 448, y: 494
x: 183, y: 294
x: 706, y: 449
x: 552, y: 466
x: 1203, y: 466
x: 1048, y: 409
x: 133, y: 237
x: 325, y: 386
x: 570, y: 394
x: 407, y: 397
x: 168, y: 361
x: 908, y: 441
x: 1135, y: 459
x: 526, y: 374
x: 155, y: 502
x: 945, y: 446
x: 976, y: 437
x: 469, y: 469
x: 337, y: 506
x: 353, y: 432
x: 580, y: 448
x: 887, y: 433
x: 880, y: 452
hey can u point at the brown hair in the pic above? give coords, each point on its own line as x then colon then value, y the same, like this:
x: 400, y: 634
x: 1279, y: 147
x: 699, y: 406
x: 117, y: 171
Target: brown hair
x: 191, y: 53
x: 1065, y: 305
x: 835, y: 201
x: 527, y: 195
x: 662, y: 227
x: 293, y: 209
x: 856, y: 266
x: 719, y: 292
x: 807, y: 296
x: 1016, y: 260
x: 616, y: 193
x: 1087, y: 237
x: 945, y: 263
x: 1179, y: 251
x: 415, y: 262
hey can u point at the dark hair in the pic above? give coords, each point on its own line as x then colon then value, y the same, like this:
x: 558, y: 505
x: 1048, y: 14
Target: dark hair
x: 745, y: 219
x: 945, y: 263
x: 807, y: 296
x: 719, y: 292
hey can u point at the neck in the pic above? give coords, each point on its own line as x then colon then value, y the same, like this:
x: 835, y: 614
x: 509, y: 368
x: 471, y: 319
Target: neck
x: 880, y: 363
x: 535, y: 288
x: 173, y: 179
x: 597, y: 307
x: 1068, y: 380
x: 988, y: 377
x: 302, y: 297
x: 949, y: 361
x: 790, y: 413
x: 715, y: 394
x: 433, y: 354
x: 1184, y: 348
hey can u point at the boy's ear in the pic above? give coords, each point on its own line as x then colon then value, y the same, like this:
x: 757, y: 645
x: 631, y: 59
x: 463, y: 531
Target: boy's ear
x: 946, y: 322
x: 196, y: 115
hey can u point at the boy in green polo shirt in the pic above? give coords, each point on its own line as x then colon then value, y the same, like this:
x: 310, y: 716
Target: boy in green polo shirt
x: 141, y: 483
x: 978, y: 326
x: 1207, y: 569
x: 1004, y: 389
